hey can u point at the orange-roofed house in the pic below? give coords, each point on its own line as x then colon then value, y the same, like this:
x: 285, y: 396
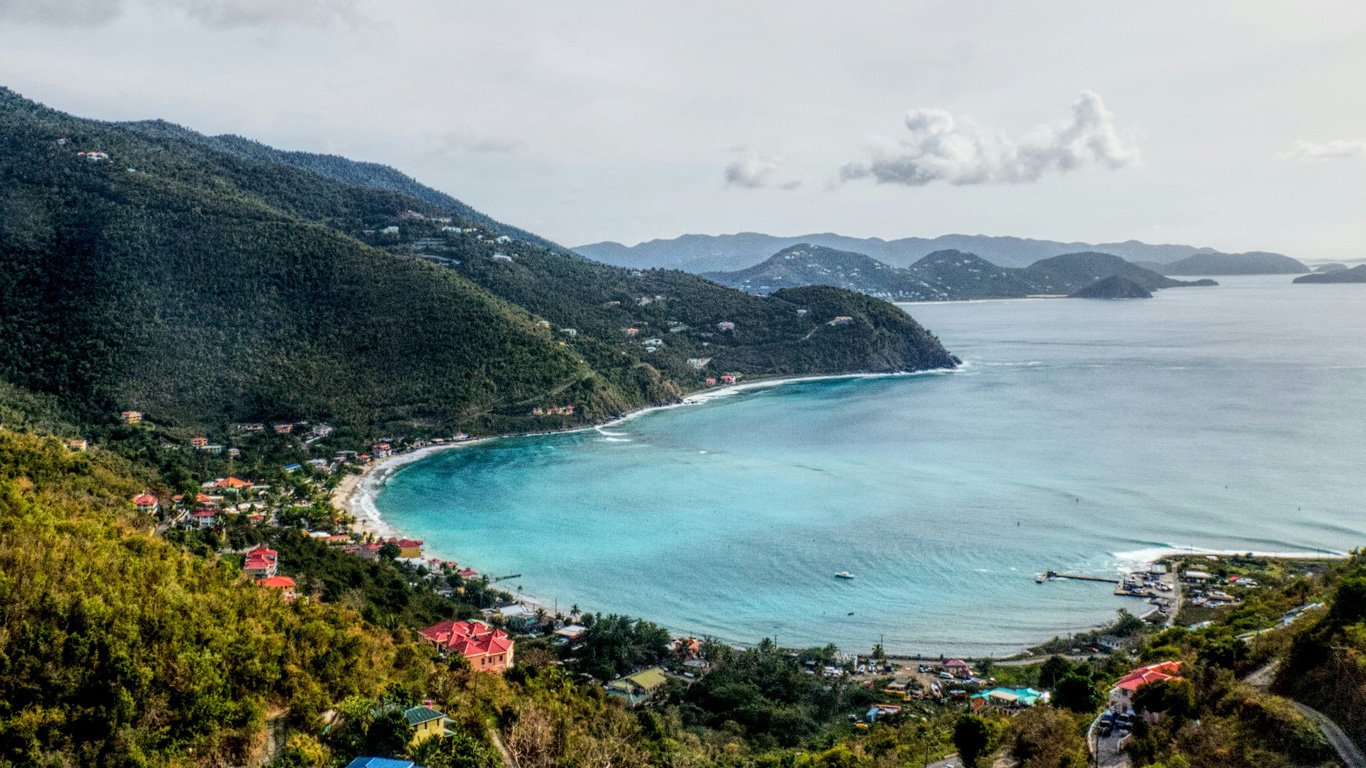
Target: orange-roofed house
x: 485, y: 648
x: 1122, y: 694
x: 233, y: 483
x: 146, y: 502
x: 285, y: 584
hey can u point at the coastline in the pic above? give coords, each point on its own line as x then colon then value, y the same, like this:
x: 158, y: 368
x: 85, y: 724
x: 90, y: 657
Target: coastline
x: 356, y: 493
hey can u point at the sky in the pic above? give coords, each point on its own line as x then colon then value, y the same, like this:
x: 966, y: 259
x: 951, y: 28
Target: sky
x: 1232, y: 125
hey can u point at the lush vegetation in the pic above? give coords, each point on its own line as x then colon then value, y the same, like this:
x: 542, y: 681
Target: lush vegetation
x: 208, y: 282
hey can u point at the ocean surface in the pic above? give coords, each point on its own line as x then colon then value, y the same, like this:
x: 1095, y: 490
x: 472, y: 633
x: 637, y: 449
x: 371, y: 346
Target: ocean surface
x: 1080, y: 435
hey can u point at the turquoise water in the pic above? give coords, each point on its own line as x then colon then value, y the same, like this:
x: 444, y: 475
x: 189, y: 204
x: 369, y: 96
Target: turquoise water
x: 1080, y: 435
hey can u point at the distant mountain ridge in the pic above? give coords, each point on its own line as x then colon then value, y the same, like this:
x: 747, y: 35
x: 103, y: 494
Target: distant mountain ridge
x: 940, y: 276
x: 728, y: 253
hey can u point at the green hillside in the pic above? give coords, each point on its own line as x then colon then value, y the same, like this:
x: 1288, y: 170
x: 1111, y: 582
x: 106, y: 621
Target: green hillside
x: 211, y: 281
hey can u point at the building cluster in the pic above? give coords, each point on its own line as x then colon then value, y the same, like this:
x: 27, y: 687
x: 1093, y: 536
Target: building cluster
x: 554, y: 410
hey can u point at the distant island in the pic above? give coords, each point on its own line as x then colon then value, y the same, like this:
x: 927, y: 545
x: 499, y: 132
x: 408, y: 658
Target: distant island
x: 1113, y: 287
x: 941, y: 276
x: 729, y: 253
x: 1356, y: 274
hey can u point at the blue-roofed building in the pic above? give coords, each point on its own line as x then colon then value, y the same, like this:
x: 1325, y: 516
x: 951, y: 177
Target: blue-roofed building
x: 381, y: 762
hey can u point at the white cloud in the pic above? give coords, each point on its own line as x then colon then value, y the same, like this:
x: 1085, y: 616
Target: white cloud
x: 213, y: 13
x: 754, y: 170
x: 941, y: 147
x: 1337, y: 149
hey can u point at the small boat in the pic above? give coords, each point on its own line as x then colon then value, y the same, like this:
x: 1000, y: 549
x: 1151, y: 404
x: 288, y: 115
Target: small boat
x: 1041, y: 578
x: 844, y: 575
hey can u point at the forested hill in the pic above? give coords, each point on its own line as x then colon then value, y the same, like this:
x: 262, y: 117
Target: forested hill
x: 208, y: 281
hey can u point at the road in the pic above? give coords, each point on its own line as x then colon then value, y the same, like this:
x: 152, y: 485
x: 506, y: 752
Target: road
x: 1347, y: 750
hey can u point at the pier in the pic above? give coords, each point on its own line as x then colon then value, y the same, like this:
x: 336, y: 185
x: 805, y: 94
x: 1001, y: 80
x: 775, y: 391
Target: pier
x: 1079, y: 577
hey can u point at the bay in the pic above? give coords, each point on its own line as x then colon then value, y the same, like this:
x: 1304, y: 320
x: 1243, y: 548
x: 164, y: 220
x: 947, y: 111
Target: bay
x: 1079, y: 435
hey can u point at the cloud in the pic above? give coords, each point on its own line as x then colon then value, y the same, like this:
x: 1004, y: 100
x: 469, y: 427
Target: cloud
x: 1337, y: 149
x: 758, y: 171
x: 462, y: 139
x: 221, y: 14
x: 941, y: 147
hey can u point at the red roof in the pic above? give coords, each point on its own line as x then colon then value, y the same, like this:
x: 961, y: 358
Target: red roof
x: 1167, y: 670
x: 468, y: 638
x: 277, y: 582
x: 405, y: 543
x: 205, y: 513
x: 232, y: 482
x: 468, y: 573
x: 955, y: 663
x: 145, y: 500
x: 262, y: 552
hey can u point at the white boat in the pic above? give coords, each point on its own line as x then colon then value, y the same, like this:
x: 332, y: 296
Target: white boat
x: 844, y: 575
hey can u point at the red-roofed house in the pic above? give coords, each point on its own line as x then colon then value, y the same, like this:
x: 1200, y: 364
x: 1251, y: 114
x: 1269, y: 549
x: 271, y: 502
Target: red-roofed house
x: 487, y: 649
x: 146, y: 502
x: 204, y: 518
x: 285, y: 584
x: 1122, y: 694
x: 468, y: 573
x: 409, y: 547
x: 261, y: 563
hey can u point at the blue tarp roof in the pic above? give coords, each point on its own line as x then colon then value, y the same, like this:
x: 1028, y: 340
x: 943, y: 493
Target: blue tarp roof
x: 380, y: 762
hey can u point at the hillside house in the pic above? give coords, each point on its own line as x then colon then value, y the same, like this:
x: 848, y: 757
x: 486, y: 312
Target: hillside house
x: 146, y: 503
x: 1008, y: 698
x: 231, y: 483
x: 427, y: 723
x: 570, y: 332
x: 204, y: 518
x: 389, y: 231
x: 283, y: 428
x: 251, y: 427
x: 78, y: 444
x: 408, y: 548
x: 131, y: 417
x: 725, y: 325
x: 261, y: 563
x: 630, y: 331
x: 485, y: 648
x: 1121, y: 696
x: 94, y: 156
x: 639, y: 688
x: 284, y: 584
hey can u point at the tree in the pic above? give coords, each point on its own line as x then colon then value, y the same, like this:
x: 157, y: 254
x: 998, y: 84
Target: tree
x: 1046, y: 737
x: 389, y: 550
x: 1174, y: 697
x: 1053, y: 670
x: 1076, y: 693
x: 970, y: 737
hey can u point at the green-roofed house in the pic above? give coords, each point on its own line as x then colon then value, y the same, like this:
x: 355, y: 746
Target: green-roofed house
x: 1008, y: 698
x: 427, y: 723
x: 639, y: 688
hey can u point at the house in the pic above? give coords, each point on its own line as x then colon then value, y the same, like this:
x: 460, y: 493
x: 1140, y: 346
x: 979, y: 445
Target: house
x: 131, y: 417
x: 518, y: 618
x: 1121, y: 696
x: 958, y: 668
x: 204, y: 518
x: 146, y: 503
x: 802, y: 312
x: 485, y: 648
x: 711, y: 381
x: 1008, y: 698
x: 389, y: 231
x: 261, y: 563
x: 94, y: 156
x: 501, y: 257
x: 408, y: 547
x: 542, y: 323
x: 381, y: 762
x: 881, y: 710
x: 502, y: 239
x: 283, y: 428
x: 78, y: 444
x: 630, y: 331
x: 251, y: 427
x: 725, y: 325
x: 285, y: 584
x: 653, y: 342
x: 571, y: 632
x: 729, y: 378
x: 199, y: 443
x: 427, y: 723
x: 468, y: 573
x: 639, y: 688
x: 570, y: 332
x: 233, y: 484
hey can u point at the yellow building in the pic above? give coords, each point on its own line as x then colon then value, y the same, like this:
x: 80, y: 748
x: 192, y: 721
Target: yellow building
x: 427, y: 723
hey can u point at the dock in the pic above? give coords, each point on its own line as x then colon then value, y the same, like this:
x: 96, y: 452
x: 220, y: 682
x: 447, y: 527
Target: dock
x: 1079, y: 577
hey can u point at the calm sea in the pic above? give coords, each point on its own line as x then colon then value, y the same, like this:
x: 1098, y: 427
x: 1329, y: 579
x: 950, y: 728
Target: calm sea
x: 1081, y: 435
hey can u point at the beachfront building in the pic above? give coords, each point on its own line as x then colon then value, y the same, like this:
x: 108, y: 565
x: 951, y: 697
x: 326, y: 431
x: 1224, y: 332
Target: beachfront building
x: 485, y: 648
x: 1121, y: 696
x: 639, y: 688
x: 408, y: 548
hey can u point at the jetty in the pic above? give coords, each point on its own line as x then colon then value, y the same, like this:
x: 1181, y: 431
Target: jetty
x: 1079, y: 577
